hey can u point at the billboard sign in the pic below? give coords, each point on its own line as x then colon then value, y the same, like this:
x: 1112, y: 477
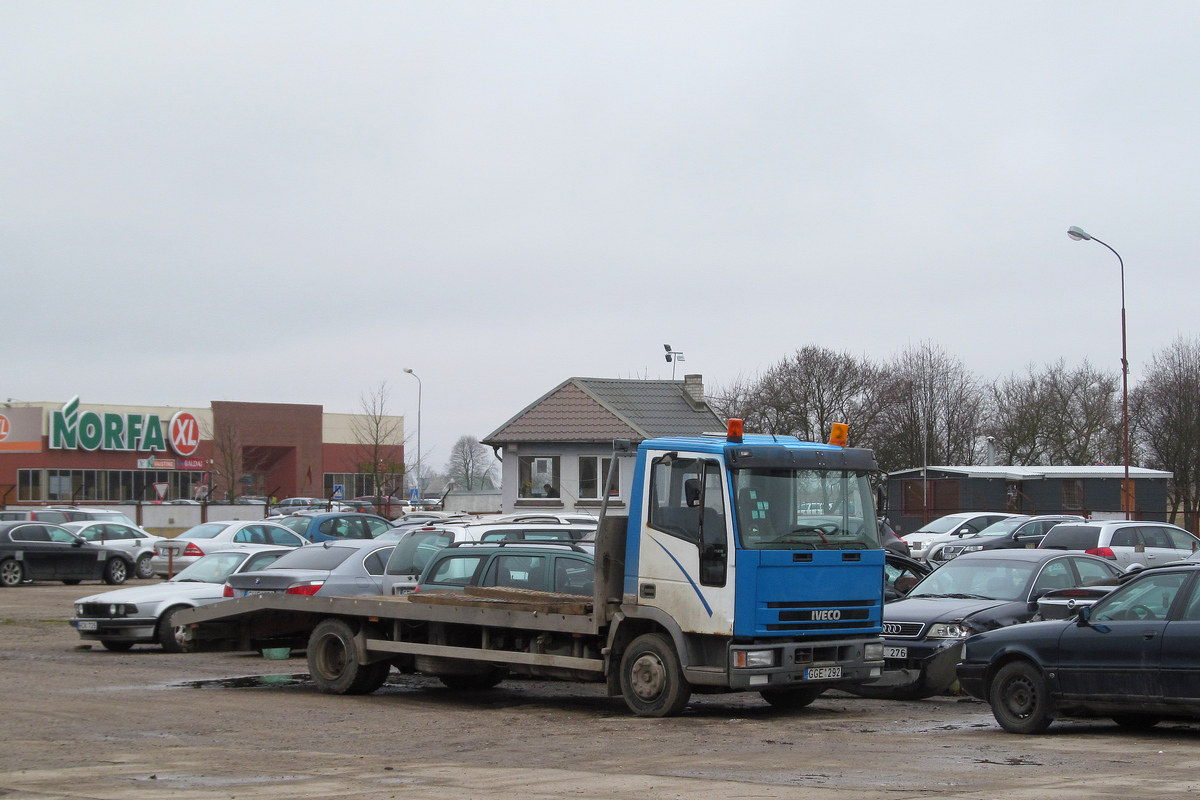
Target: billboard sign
x: 21, y: 430
x: 71, y: 429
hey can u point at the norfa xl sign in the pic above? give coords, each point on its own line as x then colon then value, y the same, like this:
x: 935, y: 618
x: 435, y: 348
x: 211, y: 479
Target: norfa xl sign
x: 90, y: 430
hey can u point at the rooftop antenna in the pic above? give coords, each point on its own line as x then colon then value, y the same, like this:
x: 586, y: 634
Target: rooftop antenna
x: 672, y: 357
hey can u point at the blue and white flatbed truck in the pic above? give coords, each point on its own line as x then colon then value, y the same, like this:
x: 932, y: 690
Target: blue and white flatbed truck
x: 745, y: 563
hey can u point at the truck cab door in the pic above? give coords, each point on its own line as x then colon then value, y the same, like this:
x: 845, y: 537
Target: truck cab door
x: 714, y: 540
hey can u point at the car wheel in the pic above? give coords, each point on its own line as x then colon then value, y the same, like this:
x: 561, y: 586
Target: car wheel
x: 11, y: 573
x: 334, y: 665
x: 115, y: 572
x: 652, y: 681
x: 1137, y: 722
x: 1020, y: 700
x: 792, y: 698
x: 166, y: 631
x: 144, y: 568
x: 116, y: 645
x: 71, y: 582
x: 467, y: 683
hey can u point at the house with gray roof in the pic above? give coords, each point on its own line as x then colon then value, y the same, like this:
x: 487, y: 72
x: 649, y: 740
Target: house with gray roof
x: 556, y: 451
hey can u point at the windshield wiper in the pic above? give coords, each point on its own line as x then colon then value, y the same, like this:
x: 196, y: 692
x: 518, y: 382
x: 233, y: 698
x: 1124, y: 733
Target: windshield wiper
x: 957, y: 596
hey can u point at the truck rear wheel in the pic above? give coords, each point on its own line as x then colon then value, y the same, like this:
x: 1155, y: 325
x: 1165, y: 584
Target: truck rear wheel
x: 334, y: 665
x: 652, y: 681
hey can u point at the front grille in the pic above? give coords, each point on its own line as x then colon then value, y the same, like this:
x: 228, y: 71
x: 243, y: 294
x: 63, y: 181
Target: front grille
x: 107, y: 609
x: 818, y: 626
x: 903, y: 629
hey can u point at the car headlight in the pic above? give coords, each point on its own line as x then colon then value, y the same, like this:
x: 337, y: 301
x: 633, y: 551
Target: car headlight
x: 873, y: 651
x: 948, y: 630
x: 972, y: 548
x: 917, y: 545
x: 754, y: 658
x: 79, y: 609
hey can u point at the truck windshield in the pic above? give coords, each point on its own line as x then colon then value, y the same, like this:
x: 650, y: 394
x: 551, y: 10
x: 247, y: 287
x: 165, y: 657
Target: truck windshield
x: 801, y: 509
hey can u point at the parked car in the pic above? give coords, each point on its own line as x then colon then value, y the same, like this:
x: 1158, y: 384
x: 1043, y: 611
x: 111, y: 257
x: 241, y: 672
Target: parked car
x: 53, y: 516
x: 77, y: 514
x: 417, y: 546
x: 333, y: 569
x: 1007, y: 534
x: 1124, y: 542
x: 1133, y: 657
x: 547, y: 566
x: 36, y: 551
x: 290, y: 505
x: 142, y: 614
x: 135, y: 542
x: 208, y: 537
x: 923, y: 633
x: 320, y: 527
x: 947, y: 528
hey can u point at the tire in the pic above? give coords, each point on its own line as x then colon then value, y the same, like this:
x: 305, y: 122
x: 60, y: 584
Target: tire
x: 115, y: 572
x: 1137, y: 722
x: 144, y: 568
x: 1020, y: 700
x: 115, y: 645
x: 165, y: 633
x: 71, y: 582
x: 792, y: 698
x: 469, y: 683
x: 652, y: 681
x: 12, y: 573
x: 333, y: 661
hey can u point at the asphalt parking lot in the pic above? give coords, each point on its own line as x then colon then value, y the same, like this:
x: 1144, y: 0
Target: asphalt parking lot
x: 86, y: 723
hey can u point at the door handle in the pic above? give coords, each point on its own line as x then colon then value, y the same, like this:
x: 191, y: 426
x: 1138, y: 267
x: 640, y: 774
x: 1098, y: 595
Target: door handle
x: 1148, y: 635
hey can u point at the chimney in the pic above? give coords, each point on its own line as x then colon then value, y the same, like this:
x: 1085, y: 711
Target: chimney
x: 693, y: 389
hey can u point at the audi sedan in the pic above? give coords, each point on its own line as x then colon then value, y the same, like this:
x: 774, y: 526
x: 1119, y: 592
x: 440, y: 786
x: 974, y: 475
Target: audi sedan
x: 208, y: 537
x: 924, y: 632
x: 142, y: 614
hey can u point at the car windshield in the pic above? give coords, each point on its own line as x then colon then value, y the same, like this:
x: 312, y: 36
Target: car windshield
x: 297, y: 525
x: 1003, y: 526
x: 206, y: 531
x: 314, y: 557
x: 412, y: 555
x: 213, y: 568
x: 805, y: 509
x: 984, y: 580
x: 943, y: 525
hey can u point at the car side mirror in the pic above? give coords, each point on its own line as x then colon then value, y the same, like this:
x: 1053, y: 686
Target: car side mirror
x: 963, y: 531
x: 77, y: 543
x: 1083, y: 617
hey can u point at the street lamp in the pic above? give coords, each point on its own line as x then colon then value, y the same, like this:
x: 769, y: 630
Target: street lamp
x: 672, y: 357
x: 419, y: 389
x: 1080, y: 235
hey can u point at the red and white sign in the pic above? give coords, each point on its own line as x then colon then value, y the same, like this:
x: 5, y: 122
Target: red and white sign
x: 189, y: 463
x: 184, y: 433
x: 4, y: 427
x: 160, y: 489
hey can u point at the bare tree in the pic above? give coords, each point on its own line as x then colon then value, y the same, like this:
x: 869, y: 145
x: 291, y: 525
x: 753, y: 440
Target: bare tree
x: 470, y: 462
x: 1165, y: 408
x: 380, y: 441
x: 227, y: 446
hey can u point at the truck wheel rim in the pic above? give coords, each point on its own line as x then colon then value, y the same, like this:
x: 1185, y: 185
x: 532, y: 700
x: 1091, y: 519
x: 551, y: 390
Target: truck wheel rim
x: 1019, y: 698
x: 648, y: 677
x: 331, y: 659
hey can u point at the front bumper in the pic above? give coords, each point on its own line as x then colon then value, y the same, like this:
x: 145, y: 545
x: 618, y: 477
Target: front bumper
x: 121, y: 629
x: 970, y: 678
x: 933, y: 660
x: 809, y: 663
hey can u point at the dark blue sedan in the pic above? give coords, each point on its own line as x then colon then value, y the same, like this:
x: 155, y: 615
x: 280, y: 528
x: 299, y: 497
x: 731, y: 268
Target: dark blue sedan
x: 1133, y: 657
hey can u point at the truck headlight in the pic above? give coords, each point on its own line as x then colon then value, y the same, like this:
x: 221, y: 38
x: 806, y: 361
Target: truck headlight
x: 948, y: 630
x: 873, y: 651
x: 755, y: 658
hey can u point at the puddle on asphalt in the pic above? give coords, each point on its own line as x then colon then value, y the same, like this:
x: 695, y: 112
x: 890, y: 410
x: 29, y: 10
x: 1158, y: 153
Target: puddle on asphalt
x: 247, y: 682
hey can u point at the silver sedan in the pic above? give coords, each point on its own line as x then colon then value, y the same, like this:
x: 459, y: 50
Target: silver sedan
x: 207, y: 537
x: 142, y: 614
x: 332, y: 568
x: 134, y: 541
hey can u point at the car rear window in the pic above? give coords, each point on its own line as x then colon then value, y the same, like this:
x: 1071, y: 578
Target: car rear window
x: 206, y: 531
x: 1072, y: 537
x: 314, y: 558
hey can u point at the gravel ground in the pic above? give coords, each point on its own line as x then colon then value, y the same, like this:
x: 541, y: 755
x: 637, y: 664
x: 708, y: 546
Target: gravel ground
x: 81, y: 722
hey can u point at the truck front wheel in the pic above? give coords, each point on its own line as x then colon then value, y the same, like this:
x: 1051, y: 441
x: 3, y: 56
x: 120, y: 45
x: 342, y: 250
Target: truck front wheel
x: 652, y: 681
x: 334, y: 665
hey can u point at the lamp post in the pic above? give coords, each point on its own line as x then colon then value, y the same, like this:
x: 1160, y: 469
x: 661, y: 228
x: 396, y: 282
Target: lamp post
x: 419, y: 389
x: 1079, y: 235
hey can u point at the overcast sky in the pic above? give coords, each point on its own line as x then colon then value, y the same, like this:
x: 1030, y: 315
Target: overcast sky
x: 290, y: 202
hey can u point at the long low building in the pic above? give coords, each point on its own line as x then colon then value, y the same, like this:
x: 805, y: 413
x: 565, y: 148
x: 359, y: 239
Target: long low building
x: 53, y: 452
x: 916, y: 496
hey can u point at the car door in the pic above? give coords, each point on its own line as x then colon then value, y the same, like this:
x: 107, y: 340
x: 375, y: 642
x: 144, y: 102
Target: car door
x: 1031, y: 535
x: 1115, y: 657
x: 35, y: 551
x: 373, y: 565
x: 1126, y: 545
x: 74, y: 559
x: 1177, y: 544
x: 1180, y: 659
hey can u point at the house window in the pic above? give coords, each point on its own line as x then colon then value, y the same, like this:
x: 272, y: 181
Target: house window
x: 1072, y: 495
x: 593, y: 474
x: 538, y: 477
x: 29, y: 484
